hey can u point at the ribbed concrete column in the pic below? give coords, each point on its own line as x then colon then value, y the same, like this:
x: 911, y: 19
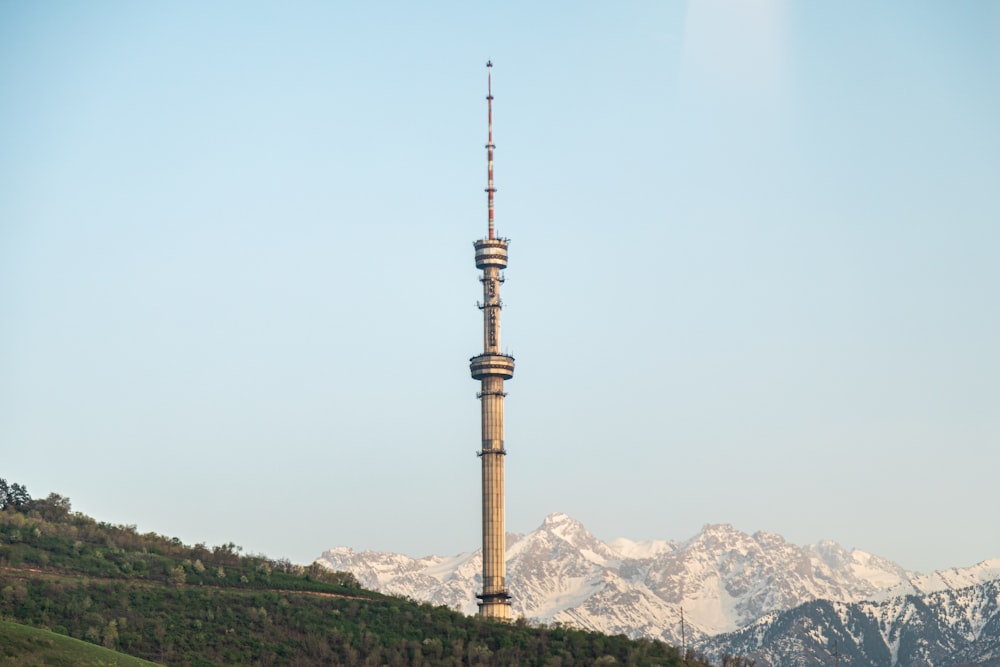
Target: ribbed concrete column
x: 494, y: 528
x: 491, y: 368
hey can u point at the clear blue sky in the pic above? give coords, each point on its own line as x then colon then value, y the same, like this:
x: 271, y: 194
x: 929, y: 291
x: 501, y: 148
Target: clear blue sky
x: 753, y: 273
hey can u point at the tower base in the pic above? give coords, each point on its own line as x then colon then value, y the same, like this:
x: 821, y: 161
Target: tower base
x: 494, y: 605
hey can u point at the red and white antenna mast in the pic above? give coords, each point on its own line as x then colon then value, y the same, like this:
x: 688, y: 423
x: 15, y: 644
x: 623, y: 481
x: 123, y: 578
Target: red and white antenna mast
x: 489, y: 146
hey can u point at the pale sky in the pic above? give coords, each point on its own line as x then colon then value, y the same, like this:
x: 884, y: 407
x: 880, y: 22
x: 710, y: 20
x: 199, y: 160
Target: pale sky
x: 753, y: 271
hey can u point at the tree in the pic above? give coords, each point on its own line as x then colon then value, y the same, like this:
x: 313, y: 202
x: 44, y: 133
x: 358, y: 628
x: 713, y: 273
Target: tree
x: 111, y: 635
x: 177, y: 575
x: 13, y: 495
x: 53, y: 507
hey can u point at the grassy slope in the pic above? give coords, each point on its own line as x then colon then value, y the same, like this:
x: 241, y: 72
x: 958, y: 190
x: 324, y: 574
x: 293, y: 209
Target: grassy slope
x: 151, y: 596
x: 30, y: 647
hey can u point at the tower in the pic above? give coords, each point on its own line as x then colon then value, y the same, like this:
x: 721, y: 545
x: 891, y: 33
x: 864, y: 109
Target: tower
x: 491, y: 368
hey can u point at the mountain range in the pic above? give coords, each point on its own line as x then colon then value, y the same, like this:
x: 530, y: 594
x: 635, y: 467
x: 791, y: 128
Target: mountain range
x: 945, y: 628
x: 724, y: 579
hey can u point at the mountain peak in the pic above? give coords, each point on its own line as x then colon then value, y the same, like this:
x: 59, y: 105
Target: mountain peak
x: 558, y: 518
x: 562, y: 534
x: 718, y: 534
x: 718, y: 528
x: 565, y: 528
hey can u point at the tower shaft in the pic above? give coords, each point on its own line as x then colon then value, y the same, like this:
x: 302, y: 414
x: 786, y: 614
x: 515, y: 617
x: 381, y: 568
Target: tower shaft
x: 492, y: 368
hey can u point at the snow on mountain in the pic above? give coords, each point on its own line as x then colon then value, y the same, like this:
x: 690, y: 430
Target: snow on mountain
x: 723, y: 578
x: 451, y: 581
x: 955, y: 577
x: 630, y: 549
x: 945, y: 628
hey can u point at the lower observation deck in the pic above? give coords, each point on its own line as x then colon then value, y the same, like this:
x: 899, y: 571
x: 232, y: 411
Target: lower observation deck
x: 499, y: 597
x: 492, y: 365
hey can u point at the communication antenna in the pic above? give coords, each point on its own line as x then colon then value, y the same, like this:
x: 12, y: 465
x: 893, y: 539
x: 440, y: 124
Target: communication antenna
x: 489, y: 146
x: 683, y: 639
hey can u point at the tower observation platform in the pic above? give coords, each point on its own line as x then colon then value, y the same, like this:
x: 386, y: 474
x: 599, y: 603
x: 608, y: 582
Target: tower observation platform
x: 492, y: 368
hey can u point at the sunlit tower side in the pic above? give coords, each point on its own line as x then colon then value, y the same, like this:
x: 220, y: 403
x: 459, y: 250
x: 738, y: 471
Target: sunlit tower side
x: 491, y: 368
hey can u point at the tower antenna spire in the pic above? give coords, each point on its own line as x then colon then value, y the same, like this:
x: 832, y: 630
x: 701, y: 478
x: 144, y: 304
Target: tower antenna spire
x: 489, y: 146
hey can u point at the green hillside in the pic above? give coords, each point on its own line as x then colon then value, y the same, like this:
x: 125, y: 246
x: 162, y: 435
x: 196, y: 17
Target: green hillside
x: 31, y: 647
x: 153, y: 597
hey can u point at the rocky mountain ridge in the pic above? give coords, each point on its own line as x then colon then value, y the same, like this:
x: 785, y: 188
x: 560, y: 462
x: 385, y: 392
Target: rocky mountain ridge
x: 723, y: 578
x: 944, y: 628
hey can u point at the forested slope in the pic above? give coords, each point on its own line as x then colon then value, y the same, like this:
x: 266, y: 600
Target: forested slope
x: 155, y: 598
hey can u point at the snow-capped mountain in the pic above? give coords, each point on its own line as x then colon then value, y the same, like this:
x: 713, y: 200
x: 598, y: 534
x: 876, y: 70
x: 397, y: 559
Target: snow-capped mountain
x: 723, y: 578
x: 946, y: 628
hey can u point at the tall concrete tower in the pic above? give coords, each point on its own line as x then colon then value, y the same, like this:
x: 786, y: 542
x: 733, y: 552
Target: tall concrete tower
x: 491, y: 368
